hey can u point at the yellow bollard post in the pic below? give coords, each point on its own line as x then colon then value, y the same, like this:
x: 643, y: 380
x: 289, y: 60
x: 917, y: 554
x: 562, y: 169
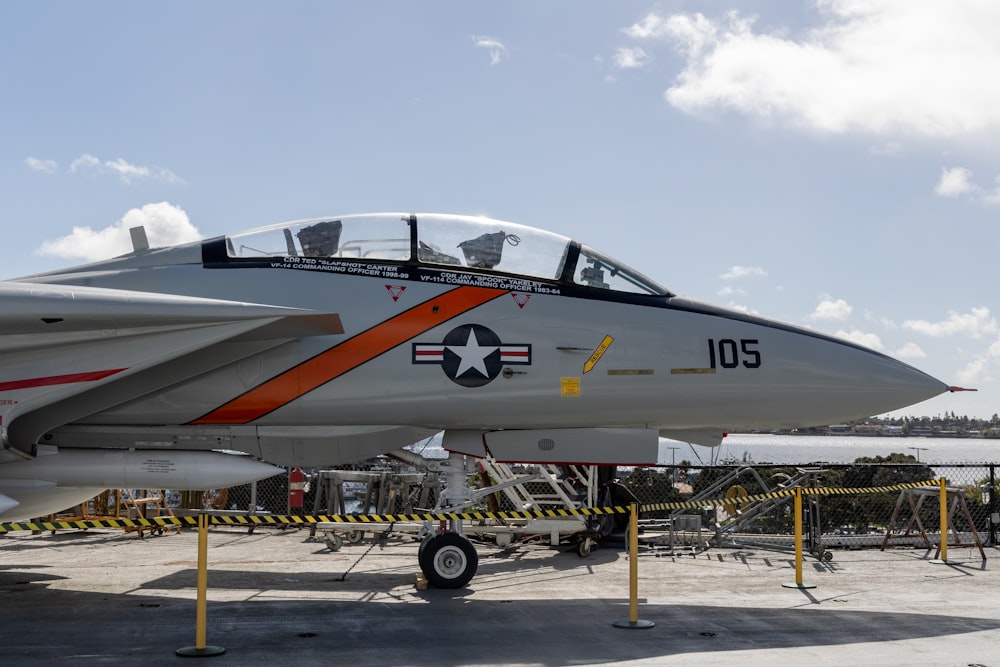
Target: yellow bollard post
x: 943, y: 504
x: 201, y: 612
x: 633, y: 621
x: 633, y: 566
x: 798, y: 536
x: 798, y: 543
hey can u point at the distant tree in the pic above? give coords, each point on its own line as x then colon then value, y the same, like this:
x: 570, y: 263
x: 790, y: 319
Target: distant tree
x: 868, y: 509
x: 652, y: 485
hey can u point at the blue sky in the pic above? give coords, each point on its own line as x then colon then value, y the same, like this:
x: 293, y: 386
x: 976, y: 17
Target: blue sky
x: 830, y: 163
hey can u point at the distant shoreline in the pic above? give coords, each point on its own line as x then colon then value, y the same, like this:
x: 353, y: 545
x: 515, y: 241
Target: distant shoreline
x: 989, y: 434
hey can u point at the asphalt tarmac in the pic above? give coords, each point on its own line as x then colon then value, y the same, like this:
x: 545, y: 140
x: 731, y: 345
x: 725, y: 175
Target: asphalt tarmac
x: 280, y: 597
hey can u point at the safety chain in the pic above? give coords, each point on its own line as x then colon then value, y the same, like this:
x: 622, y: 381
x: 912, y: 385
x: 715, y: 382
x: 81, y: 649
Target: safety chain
x: 379, y: 541
x: 473, y: 515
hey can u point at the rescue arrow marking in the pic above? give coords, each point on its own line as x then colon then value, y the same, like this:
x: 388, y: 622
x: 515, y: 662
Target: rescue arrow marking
x: 598, y: 353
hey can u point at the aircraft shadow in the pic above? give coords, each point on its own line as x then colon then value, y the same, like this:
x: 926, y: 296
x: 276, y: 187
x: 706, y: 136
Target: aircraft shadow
x: 374, y: 617
x: 442, y: 629
x: 395, y: 569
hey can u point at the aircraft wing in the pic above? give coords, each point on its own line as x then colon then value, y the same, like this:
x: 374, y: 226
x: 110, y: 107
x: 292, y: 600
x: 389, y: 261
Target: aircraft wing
x: 36, y: 315
x: 67, y: 351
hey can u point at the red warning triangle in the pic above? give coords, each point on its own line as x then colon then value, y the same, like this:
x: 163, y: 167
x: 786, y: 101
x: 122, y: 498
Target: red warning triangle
x: 395, y: 291
x: 521, y: 299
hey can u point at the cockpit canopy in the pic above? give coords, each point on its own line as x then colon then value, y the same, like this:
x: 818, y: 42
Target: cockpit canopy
x: 441, y: 241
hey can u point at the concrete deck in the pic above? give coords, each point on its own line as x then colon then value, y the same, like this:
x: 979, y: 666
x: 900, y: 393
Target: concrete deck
x: 277, y: 597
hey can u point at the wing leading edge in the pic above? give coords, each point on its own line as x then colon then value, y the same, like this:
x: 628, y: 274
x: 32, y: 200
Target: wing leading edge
x: 68, y: 351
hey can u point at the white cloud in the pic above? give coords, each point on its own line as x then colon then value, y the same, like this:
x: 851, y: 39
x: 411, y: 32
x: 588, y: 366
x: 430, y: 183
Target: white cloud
x: 652, y: 26
x: 978, y: 369
x: 992, y: 196
x: 45, y: 166
x: 954, y: 182
x: 957, y: 182
x: 496, y: 48
x: 738, y: 272
x: 911, y: 68
x: 910, y: 351
x: 832, y: 310
x: 975, y: 371
x: 729, y: 290
x: 861, y: 338
x: 165, y: 225
x: 976, y: 324
x: 626, y: 58
x: 125, y: 171
x: 84, y: 162
x: 690, y: 33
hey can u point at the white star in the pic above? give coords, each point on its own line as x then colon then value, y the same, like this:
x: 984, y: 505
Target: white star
x: 472, y: 355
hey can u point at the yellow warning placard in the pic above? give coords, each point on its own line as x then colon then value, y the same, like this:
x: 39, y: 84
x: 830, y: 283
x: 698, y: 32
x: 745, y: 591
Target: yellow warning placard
x: 569, y: 386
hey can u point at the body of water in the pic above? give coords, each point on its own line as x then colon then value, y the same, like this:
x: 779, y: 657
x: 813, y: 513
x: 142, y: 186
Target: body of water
x: 805, y: 449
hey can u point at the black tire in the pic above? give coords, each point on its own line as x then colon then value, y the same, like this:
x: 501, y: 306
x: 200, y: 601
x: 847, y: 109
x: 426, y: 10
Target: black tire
x: 448, y: 560
x: 334, y: 541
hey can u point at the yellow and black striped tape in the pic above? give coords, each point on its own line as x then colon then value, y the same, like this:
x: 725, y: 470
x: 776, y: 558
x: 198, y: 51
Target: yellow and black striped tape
x: 293, y: 520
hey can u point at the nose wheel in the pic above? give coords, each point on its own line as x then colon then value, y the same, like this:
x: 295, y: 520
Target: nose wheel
x: 448, y: 560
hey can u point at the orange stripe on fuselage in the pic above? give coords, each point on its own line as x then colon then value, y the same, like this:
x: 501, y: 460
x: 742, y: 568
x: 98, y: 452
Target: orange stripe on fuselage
x: 353, y: 352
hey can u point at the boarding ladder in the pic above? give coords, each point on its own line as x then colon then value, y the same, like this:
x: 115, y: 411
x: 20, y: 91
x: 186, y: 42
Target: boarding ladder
x: 486, y: 485
x: 541, y: 486
x: 734, y: 518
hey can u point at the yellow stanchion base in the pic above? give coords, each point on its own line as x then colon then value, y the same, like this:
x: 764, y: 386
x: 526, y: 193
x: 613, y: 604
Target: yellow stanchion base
x: 629, y: 625
x: 195, y: 652
x: 794, y: 585
x: 633, y: 622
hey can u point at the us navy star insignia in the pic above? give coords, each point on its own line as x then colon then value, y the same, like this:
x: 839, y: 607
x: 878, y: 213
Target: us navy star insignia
x: 471, y: 355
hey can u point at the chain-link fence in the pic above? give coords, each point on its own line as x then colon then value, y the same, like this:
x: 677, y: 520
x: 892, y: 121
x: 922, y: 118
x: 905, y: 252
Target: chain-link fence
x: 862, y: 519
x: 849, y: 520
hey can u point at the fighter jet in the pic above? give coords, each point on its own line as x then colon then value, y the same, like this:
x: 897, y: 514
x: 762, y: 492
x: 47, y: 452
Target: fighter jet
x: 330, y: 340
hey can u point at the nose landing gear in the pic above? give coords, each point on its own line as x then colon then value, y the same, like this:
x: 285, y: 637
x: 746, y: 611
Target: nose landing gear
x: 448, y: 560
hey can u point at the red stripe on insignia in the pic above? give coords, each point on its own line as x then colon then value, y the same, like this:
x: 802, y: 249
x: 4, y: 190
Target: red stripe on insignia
x: 515, y: 354
x: 52, y: 380
x: 348, y: 355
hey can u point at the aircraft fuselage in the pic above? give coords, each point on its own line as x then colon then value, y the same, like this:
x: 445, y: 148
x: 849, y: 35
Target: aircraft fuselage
x: 444, y: 346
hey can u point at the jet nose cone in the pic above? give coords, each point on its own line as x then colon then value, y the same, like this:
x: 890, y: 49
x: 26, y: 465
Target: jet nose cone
x: 856, y: 382
x: 810, y: 379
x: 769, y: 374
x: 902, y: 383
